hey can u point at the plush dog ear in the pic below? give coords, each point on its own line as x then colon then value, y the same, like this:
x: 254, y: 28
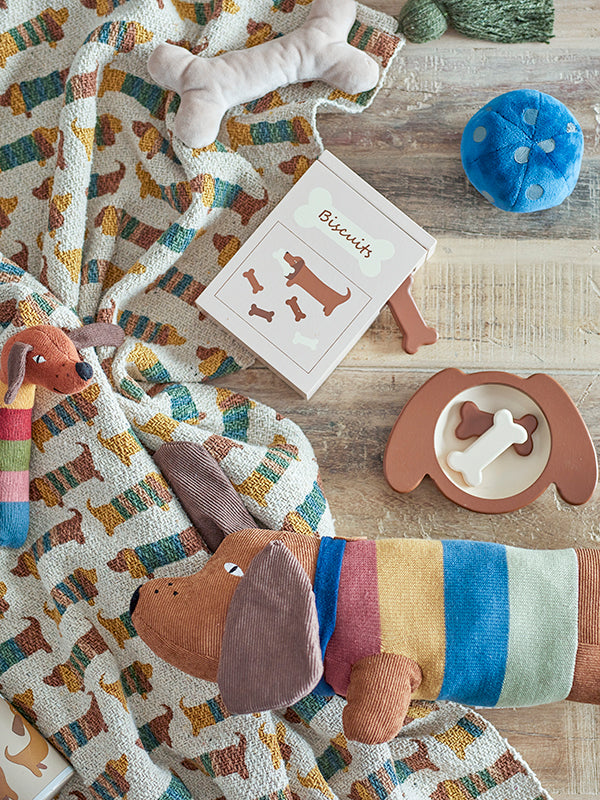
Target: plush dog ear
x: 204, y: 491
x: 270, y: 654
x: 16, y: 369
x: 97, y: 334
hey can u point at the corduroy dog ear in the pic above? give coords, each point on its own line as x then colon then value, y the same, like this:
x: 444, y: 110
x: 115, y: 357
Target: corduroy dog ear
x: 270, y: 655
x: 16, y: 369
x: 203, y: 489
x: 97, y: 334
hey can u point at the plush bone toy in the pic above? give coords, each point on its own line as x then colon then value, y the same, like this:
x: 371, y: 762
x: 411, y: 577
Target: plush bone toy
x: 39, y: 356
x: 275, y: 615
x: 318, y: 50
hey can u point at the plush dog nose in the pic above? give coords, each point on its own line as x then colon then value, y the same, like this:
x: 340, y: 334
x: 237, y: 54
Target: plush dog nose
x: 84, y: 370
x: 134, y: 601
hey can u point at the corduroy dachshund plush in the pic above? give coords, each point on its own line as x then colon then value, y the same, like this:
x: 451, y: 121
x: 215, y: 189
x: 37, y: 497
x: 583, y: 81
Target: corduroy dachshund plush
x: 275, y: 615
x: 42, y: 355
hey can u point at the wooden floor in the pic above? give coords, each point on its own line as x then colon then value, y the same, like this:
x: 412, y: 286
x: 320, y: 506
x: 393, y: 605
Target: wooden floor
x: 505, y: 291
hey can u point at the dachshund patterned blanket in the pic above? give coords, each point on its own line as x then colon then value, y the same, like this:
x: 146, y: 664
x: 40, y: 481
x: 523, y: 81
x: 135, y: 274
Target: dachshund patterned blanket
x: 105, y: 217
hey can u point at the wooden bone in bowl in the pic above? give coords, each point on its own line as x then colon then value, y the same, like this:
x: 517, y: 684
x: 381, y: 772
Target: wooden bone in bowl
x: 427, y: 432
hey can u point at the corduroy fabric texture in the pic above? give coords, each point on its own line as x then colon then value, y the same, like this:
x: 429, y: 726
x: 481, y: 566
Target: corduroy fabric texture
x: 131, y: 227
x: 379, y: 695
x: 586, y: 686
x: 203, y: 490
x: 500, y: 21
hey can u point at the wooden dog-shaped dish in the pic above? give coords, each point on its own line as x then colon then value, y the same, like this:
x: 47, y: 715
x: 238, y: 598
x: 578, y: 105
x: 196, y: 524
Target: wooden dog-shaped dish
x: 275, y: 615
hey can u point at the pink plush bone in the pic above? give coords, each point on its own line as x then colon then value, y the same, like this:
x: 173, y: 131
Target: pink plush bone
x: 317, y: 50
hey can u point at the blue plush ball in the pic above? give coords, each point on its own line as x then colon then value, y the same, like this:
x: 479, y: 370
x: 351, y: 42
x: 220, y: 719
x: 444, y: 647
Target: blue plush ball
x: 523, y: 151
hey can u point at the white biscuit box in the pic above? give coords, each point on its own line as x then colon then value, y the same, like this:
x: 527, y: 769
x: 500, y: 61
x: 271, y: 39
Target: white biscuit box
x: 314, y: 275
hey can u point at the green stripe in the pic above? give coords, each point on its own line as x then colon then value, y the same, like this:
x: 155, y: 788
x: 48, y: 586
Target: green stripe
x: 542, y: 640
x: 33, y: 34
x: 14, y: 456
x: 19, y: 41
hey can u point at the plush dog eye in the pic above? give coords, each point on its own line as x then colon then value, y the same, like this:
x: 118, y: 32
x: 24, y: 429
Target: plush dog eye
x: 39, y: 359
x: 233, y: 569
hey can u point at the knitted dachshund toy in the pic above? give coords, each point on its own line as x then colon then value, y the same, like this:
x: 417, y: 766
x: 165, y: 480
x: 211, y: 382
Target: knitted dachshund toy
x: 275, y: 615
x: 39, y: 356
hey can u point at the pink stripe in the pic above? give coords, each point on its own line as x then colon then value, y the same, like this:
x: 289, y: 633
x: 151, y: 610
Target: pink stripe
x: 14, y: 486
x: 358, y: 628
x: 15, y: 424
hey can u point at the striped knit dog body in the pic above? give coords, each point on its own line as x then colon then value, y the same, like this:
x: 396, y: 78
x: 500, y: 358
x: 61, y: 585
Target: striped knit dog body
x: 275, y: 615
x: 15, y: 449
x: 42, y: 355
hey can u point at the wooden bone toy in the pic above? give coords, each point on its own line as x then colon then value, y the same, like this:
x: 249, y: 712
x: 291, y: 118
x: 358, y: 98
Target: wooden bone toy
x: 317, y: 50
x: 275, y: 615
x: 43, y: 355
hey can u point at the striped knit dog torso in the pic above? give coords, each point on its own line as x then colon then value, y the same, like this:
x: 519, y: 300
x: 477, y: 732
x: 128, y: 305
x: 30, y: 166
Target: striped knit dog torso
x: 15, y: 450
x: 489, y: 625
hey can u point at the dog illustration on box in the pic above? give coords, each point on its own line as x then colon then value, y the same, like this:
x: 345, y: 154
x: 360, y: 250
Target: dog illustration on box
x: 306, y: 279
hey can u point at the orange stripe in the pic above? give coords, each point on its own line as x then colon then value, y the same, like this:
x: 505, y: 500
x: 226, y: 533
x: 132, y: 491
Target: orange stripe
x: 24, y: 398
x: 410, y: 576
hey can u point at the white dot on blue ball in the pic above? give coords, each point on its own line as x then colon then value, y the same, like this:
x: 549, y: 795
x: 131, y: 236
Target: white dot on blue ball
x: 479, y: 134
x: 534, y: 192
x: 488, y: 196
x: 530, y: 116
x: 521, y: 155
x: 547, y: 145
x: 571, y: 127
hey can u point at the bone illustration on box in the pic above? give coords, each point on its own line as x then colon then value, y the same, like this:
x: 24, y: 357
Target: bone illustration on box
x: 488, y: 447
x: 256, y: 311
x: 306, y: 279
x: 250, y: 276
x: 475, y: 422
x: 292, y: 302
x: 306, y: 341
x: 321, y: 213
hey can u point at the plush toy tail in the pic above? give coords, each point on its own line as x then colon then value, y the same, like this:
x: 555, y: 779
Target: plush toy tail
x: 497, y: 20
x: 15, y: 450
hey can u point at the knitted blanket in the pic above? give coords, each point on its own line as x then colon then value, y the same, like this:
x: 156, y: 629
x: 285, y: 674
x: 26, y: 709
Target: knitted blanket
x: 104, y: 216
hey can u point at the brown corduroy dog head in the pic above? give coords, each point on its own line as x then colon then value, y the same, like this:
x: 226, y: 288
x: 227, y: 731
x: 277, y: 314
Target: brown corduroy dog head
x: 253, y: 599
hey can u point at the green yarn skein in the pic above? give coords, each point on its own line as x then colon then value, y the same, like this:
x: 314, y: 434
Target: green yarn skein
x: 497, y: 20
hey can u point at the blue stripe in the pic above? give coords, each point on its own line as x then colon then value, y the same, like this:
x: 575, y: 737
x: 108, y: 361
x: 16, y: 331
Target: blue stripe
x: 326, y: 585
x: 477, y: 619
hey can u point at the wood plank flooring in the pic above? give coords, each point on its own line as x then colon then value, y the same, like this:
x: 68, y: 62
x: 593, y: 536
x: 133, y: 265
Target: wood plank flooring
x: 505, y: 291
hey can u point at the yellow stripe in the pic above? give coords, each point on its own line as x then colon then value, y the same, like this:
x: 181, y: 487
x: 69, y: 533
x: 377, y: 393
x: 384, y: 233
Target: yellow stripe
x: 24, y: 398
x: 410, y: 575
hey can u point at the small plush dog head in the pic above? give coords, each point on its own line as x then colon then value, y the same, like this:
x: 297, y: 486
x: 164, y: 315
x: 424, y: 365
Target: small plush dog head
x: 248, y: 619
x: 47, y: 356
